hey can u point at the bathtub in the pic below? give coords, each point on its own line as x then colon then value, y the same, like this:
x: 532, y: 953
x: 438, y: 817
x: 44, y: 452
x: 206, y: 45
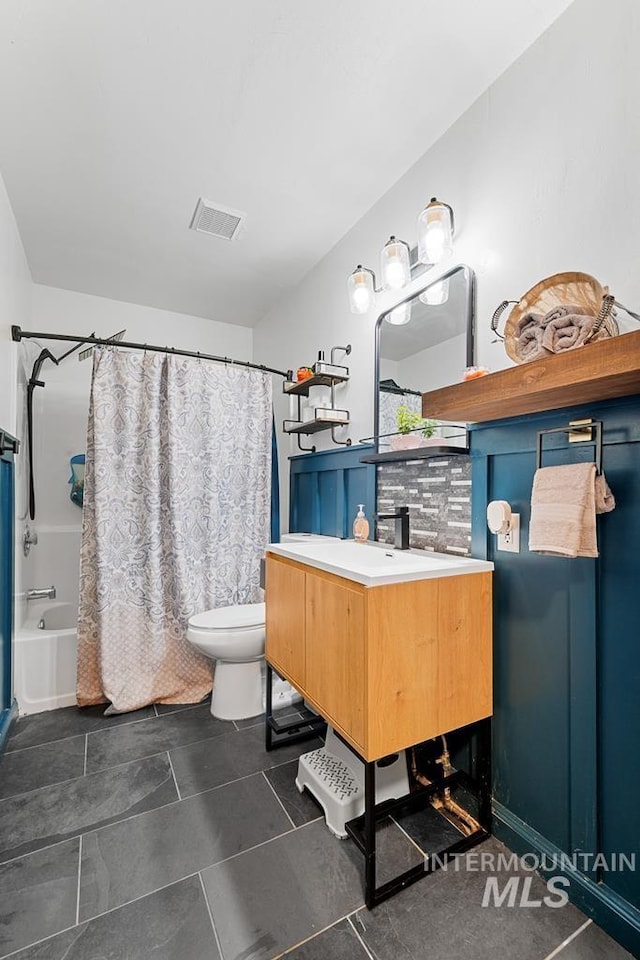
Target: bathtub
x: 45, y: 655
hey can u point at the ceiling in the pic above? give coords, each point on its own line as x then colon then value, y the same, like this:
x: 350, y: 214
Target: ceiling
x: 116, y: 115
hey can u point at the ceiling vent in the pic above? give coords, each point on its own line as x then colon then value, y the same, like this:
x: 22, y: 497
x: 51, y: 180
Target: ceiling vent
x: 217, y: 221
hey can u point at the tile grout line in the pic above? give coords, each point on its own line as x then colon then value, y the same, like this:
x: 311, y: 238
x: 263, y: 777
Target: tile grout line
x: 173, y: 774
x: 86, y: 749
x: 188, y: 876
x: 143, y: 813
x: 73, y: 926
x: 94, y: 773
x: 422, y: 853
x: 312, y: 936
x: 355, y: 930
x: 561, y: 946
x: 79, y: 872
x: 47, y: 743
x: 213, y: 926
x: 272, y: 788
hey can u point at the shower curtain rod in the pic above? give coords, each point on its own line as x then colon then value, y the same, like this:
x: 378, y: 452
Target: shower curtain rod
x: 18, y: 334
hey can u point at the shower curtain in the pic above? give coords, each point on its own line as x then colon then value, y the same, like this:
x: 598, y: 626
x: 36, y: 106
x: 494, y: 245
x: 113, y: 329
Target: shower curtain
x: 176, y: 518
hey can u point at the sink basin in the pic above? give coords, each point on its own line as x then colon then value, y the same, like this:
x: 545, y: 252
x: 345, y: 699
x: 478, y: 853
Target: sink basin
x: 377, y: 564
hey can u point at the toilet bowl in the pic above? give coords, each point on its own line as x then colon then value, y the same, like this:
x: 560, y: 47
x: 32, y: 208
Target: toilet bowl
x: 234, y: 637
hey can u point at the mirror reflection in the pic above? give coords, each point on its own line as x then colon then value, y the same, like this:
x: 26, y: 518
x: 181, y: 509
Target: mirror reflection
x: 421, y: 345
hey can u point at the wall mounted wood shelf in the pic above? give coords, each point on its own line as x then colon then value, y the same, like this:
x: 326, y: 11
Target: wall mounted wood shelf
x: 599, y: 371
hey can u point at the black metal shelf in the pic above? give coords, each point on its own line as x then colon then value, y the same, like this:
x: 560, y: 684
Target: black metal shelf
x: 312, y: 426
x: 324, y: 375
x: 301, y: 387
x: 415, y: 453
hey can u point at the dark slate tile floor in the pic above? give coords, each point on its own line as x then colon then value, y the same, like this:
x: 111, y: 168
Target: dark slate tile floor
x: 167, y: 834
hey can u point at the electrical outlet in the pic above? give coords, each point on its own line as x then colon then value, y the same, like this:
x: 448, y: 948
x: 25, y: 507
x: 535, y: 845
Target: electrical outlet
x: 510, y: 542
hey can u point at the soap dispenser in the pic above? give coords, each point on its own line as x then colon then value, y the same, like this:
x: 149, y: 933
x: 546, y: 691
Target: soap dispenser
x: 360, y: 526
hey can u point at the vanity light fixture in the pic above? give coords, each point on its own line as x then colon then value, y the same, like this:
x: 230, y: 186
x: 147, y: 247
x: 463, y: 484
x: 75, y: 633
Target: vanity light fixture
x: 399, y: 315
x: 435, y: 241
x: 361, y: 286
x: 436, y: 294
x: 395, y: 266
x: 435, y: 232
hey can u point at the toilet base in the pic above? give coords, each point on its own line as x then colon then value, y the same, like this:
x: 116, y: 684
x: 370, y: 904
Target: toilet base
x: 238, y: 690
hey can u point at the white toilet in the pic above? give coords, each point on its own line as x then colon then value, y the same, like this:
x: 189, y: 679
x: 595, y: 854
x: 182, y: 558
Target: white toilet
x: 234, y: 637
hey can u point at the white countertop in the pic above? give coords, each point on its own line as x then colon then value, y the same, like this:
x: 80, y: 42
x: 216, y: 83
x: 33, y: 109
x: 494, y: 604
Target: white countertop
x: 377, y: 564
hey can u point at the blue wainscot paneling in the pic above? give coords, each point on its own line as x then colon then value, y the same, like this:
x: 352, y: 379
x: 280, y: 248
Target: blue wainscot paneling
x: 8, y: 706
x: 326, y: 488
x: 566, y: 726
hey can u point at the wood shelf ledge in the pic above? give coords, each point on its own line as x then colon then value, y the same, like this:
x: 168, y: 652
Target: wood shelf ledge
x: 599, y: 371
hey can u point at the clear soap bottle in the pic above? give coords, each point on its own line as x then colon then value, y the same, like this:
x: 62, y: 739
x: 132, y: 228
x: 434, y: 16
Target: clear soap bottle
x: 360, y: 526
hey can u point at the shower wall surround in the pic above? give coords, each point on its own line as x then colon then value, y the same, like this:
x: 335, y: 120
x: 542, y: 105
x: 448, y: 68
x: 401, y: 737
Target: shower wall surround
x: 438, y: 494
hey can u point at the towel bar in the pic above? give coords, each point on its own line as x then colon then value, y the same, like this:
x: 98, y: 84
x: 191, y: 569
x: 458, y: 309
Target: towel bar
x: 585, y: 427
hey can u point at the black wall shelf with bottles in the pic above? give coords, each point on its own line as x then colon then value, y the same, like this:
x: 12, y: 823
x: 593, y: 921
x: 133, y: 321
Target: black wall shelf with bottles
x: 325, y: 418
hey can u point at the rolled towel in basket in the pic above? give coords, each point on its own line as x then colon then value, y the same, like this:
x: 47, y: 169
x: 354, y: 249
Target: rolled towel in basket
x: 529, y: 333
x: 565, y: 309
x: 565, y: 333
x: 567, y: 326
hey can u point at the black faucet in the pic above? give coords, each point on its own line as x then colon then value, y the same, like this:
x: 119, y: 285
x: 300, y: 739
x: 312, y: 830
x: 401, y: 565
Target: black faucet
x: 401, y: 538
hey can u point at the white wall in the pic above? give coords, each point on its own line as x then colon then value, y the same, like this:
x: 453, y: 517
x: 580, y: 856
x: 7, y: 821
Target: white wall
x: 15, y: 306
x: 61, y: 408
x: 542, y: 174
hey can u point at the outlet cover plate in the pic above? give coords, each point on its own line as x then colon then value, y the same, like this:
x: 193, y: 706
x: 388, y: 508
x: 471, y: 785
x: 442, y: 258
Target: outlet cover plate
x: 510, y: 542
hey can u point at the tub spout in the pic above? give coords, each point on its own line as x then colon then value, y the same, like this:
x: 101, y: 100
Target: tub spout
x: 43, y: 593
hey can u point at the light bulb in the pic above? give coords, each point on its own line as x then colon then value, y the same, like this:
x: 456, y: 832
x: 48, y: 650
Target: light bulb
x: 394, y: 264
x: 436, y: 293
x: 361, y: 291
x: 434, y: 242
x: 399, y: 315
x: 435, y: 232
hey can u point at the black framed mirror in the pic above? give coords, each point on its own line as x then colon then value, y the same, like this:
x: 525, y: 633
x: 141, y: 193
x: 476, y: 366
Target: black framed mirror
x: 424, y: 343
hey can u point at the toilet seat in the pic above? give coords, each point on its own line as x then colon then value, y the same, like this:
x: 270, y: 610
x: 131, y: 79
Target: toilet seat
x: 241, y: 617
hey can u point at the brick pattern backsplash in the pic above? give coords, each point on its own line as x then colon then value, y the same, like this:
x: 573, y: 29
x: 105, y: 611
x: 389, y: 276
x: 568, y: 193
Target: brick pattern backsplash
x: 438, y: 494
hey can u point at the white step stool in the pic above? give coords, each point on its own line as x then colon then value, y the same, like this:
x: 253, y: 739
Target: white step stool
x: 334, y: 775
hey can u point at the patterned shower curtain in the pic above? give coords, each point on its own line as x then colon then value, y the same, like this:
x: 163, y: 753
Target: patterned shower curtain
x: 176, y: 518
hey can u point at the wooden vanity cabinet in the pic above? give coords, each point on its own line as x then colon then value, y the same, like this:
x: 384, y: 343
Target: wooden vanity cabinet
x: 386, y: 666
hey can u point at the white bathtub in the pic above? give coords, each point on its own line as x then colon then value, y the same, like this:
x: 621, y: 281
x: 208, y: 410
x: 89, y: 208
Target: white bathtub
x: 45, y: 658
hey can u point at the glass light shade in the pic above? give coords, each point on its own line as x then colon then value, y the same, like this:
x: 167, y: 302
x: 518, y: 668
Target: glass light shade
x: 435, y: 232
x: 436, y: 294
x: 361, y: 290
x: 394, y: 264
x: 400, y: 315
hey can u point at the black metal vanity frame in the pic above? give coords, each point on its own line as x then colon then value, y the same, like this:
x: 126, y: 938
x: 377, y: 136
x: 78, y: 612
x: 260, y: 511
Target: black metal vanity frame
x: 362, y: 830
x: 289, y: 731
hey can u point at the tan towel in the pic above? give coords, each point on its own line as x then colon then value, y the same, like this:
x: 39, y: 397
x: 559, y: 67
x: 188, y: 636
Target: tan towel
x: 529, y: 332
x: 564, y: 309
x: 568, y: 332
x: 563, y: 510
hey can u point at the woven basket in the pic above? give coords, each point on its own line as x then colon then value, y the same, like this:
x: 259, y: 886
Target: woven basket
x: 562, y: 288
